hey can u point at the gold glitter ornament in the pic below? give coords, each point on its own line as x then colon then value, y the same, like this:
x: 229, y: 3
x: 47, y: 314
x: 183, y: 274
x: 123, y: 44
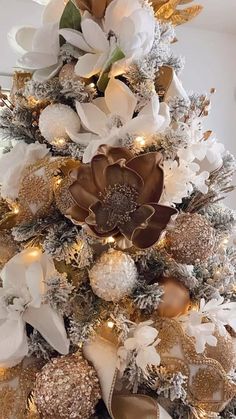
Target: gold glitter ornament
x: 192, y: 239
x: 207, y: 385
x: 113, y: 276
x: 223, y: 352
x: 176, y: 298
x: 67, y: 387
x: 16, y: 385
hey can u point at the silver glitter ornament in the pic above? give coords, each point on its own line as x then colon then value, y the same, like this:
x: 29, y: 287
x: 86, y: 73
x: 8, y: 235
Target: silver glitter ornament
x: 68, y: 388
x: 192, y: 239
x: 113, y: 276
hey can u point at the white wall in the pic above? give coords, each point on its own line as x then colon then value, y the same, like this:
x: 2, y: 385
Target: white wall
x: 211, y: 62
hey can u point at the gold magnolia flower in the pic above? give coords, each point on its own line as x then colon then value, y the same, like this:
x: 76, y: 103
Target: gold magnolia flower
x: 117, y: 194
x: 95, y: 7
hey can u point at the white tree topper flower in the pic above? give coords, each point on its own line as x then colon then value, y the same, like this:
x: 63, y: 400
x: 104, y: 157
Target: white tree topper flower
x: 143, y: 345
x: 13, y: 163
x: 126, y: 26
x: 118, y: 104
x: 219, y: 315
x: 21, y: 302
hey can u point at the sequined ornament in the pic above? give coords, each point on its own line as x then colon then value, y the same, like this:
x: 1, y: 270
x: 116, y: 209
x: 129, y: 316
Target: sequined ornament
x: 8, y: 247
x: 36, y: 190
x: 207, y: 385
x: 176, y: 298
x: 15, y: 387
x: 113, y: 276
x: 223, y: 352
x: 20, y: 78
x: 57, y: 121
x: 191, y: 239
x: 67, y: 387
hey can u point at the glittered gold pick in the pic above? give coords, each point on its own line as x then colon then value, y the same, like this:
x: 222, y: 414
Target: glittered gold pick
x: 169, y: 11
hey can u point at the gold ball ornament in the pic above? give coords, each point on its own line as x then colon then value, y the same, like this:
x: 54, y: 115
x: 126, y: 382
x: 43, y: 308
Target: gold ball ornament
x: 113, y: 276
x: 192, y: 239
x: 207, y: 385
x: 175, y: 300
x: 223, y: 352
x: 67, y: 387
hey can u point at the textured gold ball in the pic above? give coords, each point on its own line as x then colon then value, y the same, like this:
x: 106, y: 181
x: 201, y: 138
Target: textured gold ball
x: 113, y: 276
x: 67, y: 387
x: 175, y: 300
x: 192, y: 239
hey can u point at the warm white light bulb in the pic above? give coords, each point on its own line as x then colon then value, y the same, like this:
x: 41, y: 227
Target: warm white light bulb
x: 140, y: 141
x: 110, y: 324
x: 110, y: 240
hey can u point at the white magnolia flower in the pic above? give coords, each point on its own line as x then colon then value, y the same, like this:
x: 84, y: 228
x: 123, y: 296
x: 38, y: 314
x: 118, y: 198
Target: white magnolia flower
x: 126, y: 25
x: 118, y: 106
x: 21, y: 302
x: 143, y: 345
x: 219, y: 315
x: 13, y: 163
x: 39, y: 48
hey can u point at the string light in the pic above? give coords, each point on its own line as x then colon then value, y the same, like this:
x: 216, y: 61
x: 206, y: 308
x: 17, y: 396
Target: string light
x: 110, y: 240
x: 58, y: 181
x: 140, y: 141
x: 110, y: 324
x: 91, y: 85
x: 59, y: 142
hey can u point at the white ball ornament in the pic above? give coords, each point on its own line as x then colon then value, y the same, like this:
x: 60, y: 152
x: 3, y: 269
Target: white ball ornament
x: 113, y: 276
x: 56, y: 121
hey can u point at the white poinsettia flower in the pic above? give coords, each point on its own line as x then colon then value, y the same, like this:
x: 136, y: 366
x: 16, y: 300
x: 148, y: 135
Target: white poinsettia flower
x: 142, y: 344
x: 180, y: 178
x: 22, y: 301
x: 218, y: 313
x: 126, y: 26
x: 14, y: 162
x: 39, y: 48
x: 201, y: 332
x: 110, y: 119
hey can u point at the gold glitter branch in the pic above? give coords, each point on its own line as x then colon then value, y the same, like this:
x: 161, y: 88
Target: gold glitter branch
x: 169, y: 11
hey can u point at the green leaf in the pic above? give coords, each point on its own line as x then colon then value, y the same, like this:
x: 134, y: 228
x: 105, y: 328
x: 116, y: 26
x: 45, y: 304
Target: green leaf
x: 104, y: 77
x: 71, y: 17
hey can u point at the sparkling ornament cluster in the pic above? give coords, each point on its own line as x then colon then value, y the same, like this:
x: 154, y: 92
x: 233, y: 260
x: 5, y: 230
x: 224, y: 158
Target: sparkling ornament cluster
x: 113, y: 276
x: 67, y: 387
x: 192, y: 239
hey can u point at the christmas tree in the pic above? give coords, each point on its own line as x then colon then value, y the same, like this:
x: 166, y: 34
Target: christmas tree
x: 117, y: 289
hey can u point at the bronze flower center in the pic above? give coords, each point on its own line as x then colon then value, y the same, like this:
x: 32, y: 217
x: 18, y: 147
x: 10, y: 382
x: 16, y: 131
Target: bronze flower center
x: 120, y: 201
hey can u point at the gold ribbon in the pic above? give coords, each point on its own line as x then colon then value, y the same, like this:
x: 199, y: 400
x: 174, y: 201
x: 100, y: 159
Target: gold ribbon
x: 103, y: 355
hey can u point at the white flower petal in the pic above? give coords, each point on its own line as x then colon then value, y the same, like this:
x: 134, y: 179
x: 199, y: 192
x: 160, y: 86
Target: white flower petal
x: 115, y: 12
x: 36, y: 60
x: 130, y: 344
x: 119, y: 99
x: 90, y: 64
x: 176, y: 89
x: 147, y: 356
x: 20, y: 38
x: 46, y: 39
x: 13, y: 343
x: 92, y: 118
x: 50, y: 325
x: 82, y: 138
x: 76, y: 39
x: 94, y: 35
x: 91, y: 150
x: 47, y: 73
x: 145, y: 335
x: 35, y: 281
x: 53, y: 10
